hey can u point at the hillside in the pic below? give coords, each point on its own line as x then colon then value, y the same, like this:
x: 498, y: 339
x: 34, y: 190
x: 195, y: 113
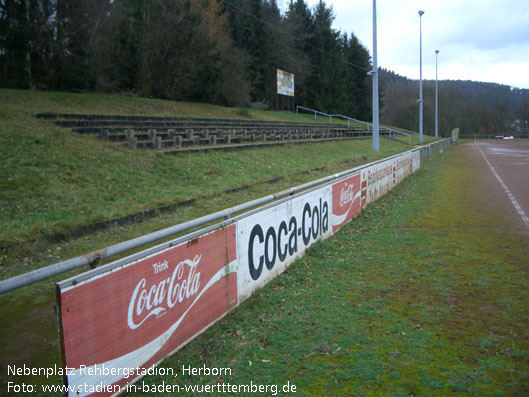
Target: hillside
x: 474, y: 107
x: 54, y: 181
x: 223, y: 52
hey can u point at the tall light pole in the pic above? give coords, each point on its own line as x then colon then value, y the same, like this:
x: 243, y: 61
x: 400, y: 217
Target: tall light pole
x: 436, y: 98
x: 420, y: 81
x: 376, y: 146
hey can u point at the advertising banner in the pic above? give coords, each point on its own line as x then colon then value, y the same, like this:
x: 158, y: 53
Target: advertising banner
x: 403, y: 167
x: 346, y: 200
x: 270, y: 240
x: 380, y: 178
x: 118, y: 323
x: 415, y: 160
x: 124, y: 321
x: 285, y: 83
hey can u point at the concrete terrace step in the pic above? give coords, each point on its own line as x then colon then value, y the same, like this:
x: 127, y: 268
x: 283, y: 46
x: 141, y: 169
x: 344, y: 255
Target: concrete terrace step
x: 242, y: 146
x: 107, y: 121
x: 173, y: 132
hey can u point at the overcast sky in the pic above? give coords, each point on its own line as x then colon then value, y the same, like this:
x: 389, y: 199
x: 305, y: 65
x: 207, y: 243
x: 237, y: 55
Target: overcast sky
x: 480, y: 40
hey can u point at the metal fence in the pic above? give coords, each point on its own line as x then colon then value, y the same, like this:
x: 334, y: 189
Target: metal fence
x: 435, y: 148
x: 93, y: 259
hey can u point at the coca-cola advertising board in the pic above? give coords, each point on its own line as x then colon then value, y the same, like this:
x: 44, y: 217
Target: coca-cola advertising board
x: 346, y: 200
x: 269, y: 240
x: 134, y: 315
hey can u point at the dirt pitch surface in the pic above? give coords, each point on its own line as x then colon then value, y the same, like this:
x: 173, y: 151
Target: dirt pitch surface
x: 507, y: 164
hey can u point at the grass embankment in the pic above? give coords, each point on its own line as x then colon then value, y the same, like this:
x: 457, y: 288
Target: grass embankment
x: 53, y: 180
x: 423, y: 294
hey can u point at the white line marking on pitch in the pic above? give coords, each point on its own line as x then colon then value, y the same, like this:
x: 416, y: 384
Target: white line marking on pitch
x: 524, y: 217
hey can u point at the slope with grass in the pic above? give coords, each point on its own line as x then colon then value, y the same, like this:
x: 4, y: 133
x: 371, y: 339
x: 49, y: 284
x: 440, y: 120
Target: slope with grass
x: 53, y: 181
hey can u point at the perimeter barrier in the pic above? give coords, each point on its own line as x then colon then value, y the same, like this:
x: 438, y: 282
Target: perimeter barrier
x: 126, y: 316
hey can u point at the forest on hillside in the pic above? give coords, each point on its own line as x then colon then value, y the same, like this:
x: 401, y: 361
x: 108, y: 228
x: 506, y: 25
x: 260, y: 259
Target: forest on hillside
x: 227, y: 52
x: 217, y: 51
x: 474, y: 107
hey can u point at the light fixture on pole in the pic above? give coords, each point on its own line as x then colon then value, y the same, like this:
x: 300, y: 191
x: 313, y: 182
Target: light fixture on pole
x: 436, y: 98
x: 374, y: 74
x: 420, y: 80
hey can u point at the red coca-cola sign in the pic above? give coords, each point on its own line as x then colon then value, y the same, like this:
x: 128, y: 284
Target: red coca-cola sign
x: 135, y: 315
x: 346, y: 201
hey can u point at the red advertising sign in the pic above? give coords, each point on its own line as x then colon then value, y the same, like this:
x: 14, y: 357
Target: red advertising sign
x: 346, y: 201
x: 121, y: 319
x: 133, y: 316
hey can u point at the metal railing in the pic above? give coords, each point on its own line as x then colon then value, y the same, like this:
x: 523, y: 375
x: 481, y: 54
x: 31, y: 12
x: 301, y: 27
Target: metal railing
x: 316, y: 112
x: 93, y: 259
x: 349, y: 119
x: 393, y: 131
x: 435, y: 148
x: 330, y: 116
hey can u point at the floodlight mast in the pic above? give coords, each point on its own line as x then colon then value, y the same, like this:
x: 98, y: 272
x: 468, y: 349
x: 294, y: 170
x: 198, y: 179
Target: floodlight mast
x: 374, y: 74
x: 420, y: 78
x: 436, y: 98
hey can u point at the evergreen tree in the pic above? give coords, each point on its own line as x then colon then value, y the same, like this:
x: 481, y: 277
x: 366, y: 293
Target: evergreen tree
x: 218, y: 51
x: 119, y: 52
x: 323, y: 87
x: 298, y: 34
x: 358, y: 83
x: 78, y: 27
x: 248, y: 32
x: 26, y: 36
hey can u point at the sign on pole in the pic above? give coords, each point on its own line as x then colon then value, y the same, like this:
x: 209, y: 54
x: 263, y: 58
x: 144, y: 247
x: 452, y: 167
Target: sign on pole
x: 285, y: 83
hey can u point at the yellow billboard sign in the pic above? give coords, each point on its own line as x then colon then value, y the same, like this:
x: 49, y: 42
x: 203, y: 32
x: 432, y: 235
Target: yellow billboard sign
x: 285, y: 83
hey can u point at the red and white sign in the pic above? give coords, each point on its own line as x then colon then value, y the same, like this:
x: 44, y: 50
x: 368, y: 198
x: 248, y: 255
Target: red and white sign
x: 137, y: 314
x: 133, y: 315
x: 346, y: 201
x: 380, y: 178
